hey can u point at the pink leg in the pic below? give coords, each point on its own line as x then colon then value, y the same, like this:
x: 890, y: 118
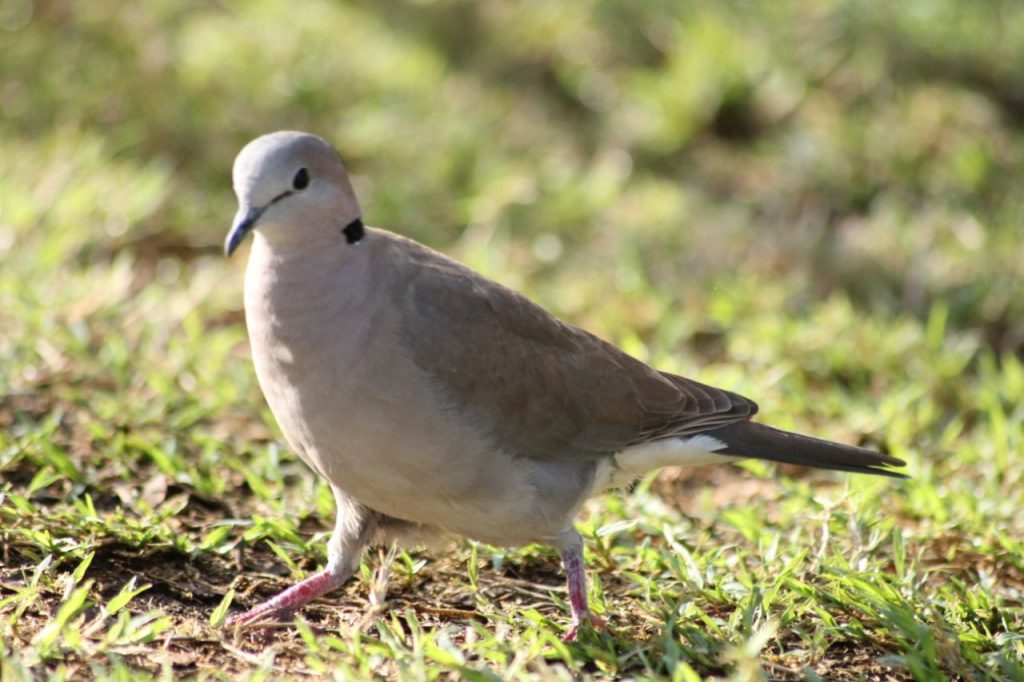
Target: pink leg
x: 570, y: 548
x: 294, y: 597
x: 353, y: 528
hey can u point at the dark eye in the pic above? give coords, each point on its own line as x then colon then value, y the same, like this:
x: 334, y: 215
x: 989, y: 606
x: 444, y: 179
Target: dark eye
x: 301, y: 179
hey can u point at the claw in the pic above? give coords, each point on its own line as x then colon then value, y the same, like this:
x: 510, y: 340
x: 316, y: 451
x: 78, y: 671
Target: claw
x: 591, y: 621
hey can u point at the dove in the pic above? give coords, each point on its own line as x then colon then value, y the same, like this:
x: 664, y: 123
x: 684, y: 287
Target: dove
x: 435, y: 401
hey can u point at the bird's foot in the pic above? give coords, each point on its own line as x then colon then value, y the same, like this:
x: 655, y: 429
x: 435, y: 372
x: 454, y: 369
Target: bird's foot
x: 291, y: 599
x: 586, y: 622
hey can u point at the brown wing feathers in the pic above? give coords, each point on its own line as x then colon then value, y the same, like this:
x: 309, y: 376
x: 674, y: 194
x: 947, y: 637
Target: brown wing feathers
x: 547, y: 389
x: 544, y: 388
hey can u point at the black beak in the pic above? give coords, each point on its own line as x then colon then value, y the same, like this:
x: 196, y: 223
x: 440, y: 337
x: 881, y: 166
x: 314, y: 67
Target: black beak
x: 245, y: 220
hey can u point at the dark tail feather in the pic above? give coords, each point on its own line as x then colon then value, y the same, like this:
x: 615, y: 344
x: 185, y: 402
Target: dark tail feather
x: 750, y: 439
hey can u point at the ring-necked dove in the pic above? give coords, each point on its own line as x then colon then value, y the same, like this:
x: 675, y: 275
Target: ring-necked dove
x: 434, y: 400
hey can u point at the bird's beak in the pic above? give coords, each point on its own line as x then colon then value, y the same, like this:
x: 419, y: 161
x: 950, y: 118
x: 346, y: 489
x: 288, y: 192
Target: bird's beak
x: 245, y: 220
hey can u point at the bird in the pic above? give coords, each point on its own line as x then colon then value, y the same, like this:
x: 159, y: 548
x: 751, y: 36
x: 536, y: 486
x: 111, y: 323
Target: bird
x: 435, y: 401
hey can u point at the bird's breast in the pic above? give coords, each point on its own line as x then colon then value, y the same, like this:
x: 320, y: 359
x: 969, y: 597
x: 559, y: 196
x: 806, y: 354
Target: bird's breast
x: 339, y: 377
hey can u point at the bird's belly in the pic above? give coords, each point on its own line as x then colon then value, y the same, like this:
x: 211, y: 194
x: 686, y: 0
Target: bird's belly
x: 404, y: 455
x: 473, y: 492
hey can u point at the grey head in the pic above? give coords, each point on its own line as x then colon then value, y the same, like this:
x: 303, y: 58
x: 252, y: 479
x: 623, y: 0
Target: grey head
x: 286, y: 182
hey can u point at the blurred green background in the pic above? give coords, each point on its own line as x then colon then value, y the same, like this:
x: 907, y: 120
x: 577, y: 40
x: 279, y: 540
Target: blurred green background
x: 869, y: 149
x: 816, y: 203
x: 686, y: 179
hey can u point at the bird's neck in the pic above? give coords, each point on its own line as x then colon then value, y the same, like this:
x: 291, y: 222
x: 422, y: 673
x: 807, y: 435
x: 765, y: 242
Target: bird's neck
x: 283, y: 281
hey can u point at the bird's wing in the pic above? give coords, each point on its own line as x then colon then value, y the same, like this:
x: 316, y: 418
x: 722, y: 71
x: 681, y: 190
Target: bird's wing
x: 541, y: 387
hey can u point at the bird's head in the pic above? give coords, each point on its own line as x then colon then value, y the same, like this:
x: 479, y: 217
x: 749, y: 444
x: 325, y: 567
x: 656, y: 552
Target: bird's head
x: 286, y: 184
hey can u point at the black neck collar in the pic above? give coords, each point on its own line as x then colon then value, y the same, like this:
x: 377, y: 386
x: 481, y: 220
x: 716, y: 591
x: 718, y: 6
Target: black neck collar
x: 354, y: 231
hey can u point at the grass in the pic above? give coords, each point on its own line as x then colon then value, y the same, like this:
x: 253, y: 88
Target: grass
x: 813, y: 204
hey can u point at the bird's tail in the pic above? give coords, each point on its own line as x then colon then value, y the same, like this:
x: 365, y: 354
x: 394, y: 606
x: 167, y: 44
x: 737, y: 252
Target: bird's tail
x: 750, y: 439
